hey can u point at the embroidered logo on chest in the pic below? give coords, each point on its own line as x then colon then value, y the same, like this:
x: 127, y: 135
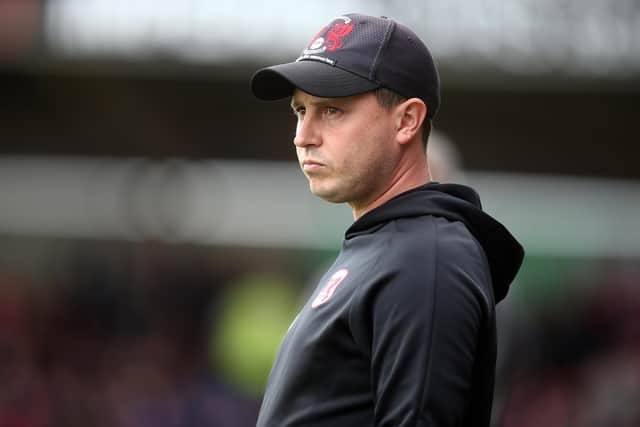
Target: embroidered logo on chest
x: 330, y: 288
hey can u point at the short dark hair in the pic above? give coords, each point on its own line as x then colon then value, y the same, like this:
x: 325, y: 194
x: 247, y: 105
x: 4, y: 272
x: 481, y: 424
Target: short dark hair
x: 389, y: 99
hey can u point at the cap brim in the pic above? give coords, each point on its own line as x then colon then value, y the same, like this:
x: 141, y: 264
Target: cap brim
x: 314, y: 77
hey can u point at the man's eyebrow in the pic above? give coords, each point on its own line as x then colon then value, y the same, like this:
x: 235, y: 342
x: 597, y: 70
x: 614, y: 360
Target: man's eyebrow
x: 322, y: 101
x: 316, y: 102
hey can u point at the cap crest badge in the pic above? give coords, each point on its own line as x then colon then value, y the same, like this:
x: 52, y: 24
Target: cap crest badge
x: 333, y: 39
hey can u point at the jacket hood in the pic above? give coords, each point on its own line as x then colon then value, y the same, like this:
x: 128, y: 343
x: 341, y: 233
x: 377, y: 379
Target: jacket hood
x: 456, y: 203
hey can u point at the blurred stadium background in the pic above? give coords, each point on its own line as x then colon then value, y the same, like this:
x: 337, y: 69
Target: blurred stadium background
x: 156, y: 237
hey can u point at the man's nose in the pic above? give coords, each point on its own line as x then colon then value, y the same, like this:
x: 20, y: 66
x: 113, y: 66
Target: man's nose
x: 306, y: 133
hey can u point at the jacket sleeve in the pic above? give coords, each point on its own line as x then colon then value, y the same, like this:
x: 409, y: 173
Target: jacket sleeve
x: 421, y: 322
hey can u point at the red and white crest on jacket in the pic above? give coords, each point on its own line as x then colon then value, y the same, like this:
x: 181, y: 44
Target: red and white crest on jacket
x: 330, y: 288
x: 331, y: 39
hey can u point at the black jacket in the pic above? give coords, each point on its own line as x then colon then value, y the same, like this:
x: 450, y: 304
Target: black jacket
x: 401, y: 330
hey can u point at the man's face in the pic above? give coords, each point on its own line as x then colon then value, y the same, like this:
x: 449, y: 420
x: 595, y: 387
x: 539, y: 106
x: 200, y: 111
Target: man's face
x: 345, y: 146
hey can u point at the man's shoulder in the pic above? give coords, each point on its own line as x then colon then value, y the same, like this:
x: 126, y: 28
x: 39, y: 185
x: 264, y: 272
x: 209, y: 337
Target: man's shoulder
x: 427, y: 242
x: 428, y: 232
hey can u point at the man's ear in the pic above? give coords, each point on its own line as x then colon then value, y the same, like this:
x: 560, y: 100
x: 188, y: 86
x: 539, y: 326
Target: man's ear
x: 410, y: 115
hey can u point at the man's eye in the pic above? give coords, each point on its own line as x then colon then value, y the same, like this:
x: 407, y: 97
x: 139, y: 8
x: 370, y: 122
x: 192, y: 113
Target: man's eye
x: 331, y: 111
x: 299, y: 111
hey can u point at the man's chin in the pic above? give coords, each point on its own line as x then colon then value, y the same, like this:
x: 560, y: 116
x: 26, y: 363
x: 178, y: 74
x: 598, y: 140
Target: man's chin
x: 326, y: 194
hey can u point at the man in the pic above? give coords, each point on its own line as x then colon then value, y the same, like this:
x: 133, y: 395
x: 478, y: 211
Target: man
x: 401, y: 330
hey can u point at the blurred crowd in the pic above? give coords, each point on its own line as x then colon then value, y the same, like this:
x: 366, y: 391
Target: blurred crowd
x: 576, y: 360
x: 114, y: 344
x: 124, y: 338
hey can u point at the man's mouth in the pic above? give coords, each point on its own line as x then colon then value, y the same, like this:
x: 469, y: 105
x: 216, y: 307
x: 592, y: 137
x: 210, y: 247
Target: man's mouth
x: 311, y: 165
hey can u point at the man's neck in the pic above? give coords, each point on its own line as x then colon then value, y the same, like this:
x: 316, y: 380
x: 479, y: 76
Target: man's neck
x: 405, y: 179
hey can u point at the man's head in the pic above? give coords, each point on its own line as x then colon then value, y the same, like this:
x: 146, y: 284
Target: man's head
x: 364, y: 90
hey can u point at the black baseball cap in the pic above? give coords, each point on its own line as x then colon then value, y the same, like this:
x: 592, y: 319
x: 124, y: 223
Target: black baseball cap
x: 354, y: 54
